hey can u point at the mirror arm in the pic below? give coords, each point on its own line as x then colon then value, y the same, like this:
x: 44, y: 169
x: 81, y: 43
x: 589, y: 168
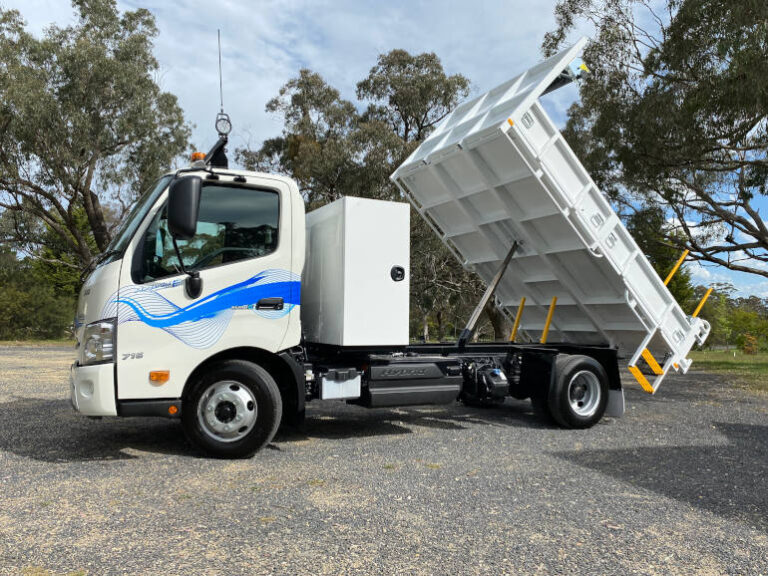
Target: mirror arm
x: 193, y: 284
x: 178, y: 255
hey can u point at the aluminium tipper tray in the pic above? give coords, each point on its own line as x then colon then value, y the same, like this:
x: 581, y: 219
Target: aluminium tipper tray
x: 497, y: 170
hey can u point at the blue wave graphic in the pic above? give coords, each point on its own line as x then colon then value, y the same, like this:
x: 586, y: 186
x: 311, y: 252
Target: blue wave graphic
x: 202, y: 323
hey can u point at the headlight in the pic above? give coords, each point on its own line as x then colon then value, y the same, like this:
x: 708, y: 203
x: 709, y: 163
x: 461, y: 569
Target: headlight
x: 99, y: 342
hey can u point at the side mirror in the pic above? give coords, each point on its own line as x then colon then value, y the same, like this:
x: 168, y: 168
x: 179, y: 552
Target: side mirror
x: 184, y: 206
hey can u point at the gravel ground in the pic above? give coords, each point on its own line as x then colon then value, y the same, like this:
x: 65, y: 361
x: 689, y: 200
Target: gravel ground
x: 677, y: 486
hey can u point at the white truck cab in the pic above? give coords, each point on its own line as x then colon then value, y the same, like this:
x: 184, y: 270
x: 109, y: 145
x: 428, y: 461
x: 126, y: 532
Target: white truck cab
x: 248, y: 250
x: 140, y: 332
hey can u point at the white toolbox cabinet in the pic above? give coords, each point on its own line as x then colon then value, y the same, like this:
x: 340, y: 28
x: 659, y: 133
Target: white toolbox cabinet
x: 351, y: 293
x: 497, y: 170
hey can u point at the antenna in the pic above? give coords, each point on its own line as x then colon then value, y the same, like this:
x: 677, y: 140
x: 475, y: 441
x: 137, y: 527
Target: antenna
x: 223, y: 124
x: 217, y: 157
x: 221, y: 83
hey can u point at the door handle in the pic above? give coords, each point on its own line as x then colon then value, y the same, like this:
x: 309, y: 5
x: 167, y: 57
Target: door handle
x: 274, y: 303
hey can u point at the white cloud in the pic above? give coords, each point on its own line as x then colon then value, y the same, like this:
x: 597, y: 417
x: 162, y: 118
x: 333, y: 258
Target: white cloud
x: 699, y: 274
x: 265, y: 43
x: 711, y: 274
x: 759, y: 288
x: 745, y: 284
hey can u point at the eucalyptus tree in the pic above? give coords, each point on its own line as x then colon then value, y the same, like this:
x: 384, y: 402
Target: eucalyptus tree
x: 675, y: 113
x: 335, y: 147
x: 84, y: 126
x: 317, y: 148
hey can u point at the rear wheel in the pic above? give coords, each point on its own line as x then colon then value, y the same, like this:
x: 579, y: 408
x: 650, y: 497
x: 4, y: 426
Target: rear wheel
x: 578, y: 394
x: 232, y: 410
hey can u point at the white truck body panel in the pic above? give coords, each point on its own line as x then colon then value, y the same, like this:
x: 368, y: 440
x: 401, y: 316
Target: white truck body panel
x: 498, y: 170
x: 349, y: 297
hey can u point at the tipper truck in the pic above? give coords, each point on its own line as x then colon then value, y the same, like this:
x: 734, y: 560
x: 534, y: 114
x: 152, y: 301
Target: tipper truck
x: 220, y: 303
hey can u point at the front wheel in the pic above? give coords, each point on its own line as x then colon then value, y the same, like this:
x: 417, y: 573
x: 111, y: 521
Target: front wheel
x: 232, y: 410
x: 579, y: 391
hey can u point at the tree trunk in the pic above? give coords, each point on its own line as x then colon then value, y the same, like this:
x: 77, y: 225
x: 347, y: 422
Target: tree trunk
x: 96, y: 220
x: 426, y: 328
x: 93, y: 207
x: 498, y: 321
x: 440, y: 325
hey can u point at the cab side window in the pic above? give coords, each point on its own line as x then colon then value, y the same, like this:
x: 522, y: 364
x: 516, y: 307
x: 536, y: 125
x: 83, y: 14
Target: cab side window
x: 235, y: 223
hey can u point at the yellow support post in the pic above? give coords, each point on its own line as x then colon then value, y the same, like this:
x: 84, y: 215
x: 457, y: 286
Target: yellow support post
x: 701, y: 304
x: 551, y: 312
x: 675, y: 267
x: 517, y: 319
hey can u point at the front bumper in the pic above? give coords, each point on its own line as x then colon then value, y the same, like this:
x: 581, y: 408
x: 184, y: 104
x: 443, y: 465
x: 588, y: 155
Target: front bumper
x: 92, y: 389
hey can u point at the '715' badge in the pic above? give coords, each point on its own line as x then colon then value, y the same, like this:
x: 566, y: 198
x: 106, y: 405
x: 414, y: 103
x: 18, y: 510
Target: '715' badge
x: 133, y: 356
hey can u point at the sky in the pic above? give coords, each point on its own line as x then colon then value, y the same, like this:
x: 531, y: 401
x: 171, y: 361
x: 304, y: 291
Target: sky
x: 266, y: 42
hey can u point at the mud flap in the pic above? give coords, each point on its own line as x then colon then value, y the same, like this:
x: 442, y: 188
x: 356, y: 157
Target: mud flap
x: 615, y: 406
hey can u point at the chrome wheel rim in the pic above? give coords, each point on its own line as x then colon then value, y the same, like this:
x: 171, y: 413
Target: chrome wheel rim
x: 584, y: 393
x: 227, y: 411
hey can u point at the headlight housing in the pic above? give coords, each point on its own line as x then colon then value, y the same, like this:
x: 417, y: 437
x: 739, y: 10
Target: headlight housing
x: 99, y: 342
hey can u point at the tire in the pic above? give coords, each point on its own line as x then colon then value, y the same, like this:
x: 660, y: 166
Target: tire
x: 578, y: 394
x: 232, y: 410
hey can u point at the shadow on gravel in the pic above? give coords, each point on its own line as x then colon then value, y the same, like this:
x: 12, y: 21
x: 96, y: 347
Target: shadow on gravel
x: 327, y: 422
x: 730, y: 480
x: 50, y: 431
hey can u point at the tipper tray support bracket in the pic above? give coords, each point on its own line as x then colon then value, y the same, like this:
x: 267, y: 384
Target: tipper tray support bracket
x: 469, y: 329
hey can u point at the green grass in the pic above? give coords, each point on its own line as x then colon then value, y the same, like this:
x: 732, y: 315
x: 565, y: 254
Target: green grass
x: 750, y: 369
x: 39, y: 343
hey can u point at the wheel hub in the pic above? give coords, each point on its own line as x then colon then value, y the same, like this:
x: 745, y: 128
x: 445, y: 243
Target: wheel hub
x: 584, y: 393
x: 579, y: 392
x: 227, y: 411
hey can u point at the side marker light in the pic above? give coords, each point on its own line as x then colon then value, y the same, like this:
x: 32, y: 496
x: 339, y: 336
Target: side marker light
x: 159, y: 376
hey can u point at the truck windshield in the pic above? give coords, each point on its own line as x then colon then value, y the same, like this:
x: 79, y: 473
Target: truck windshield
x: 127, y: 228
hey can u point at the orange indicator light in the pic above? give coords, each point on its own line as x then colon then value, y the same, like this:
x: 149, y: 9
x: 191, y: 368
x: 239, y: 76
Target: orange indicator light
x: 159, y: 376
x: 173, y: 409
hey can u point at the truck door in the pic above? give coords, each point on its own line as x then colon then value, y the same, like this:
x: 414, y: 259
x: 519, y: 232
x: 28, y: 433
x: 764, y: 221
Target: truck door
x: 242, y: 251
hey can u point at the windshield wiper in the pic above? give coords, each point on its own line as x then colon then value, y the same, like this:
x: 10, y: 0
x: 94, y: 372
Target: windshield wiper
x: 96, y: 261
x: 106, y: 254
